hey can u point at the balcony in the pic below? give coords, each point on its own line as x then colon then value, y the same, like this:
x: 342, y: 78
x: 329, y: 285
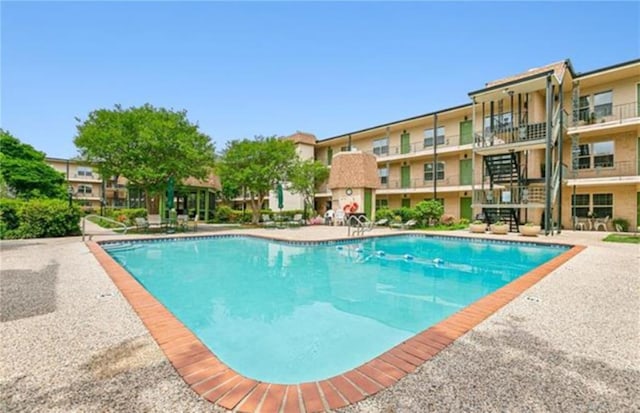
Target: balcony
x: 450, y: 143
x: 511, y: 197
x: 618, y: 172
x: 84, y: 178
x: 450, y: 183
x: 606, y: 117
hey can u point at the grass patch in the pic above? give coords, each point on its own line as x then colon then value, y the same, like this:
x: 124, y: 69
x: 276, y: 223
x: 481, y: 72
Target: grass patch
x: 628, y: 239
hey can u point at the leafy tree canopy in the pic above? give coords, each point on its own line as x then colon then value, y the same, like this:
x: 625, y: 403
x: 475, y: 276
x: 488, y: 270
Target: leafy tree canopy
x: 306, y: 176
x: 257, y: 166
x: 147, y: 145
x: 24, y: 171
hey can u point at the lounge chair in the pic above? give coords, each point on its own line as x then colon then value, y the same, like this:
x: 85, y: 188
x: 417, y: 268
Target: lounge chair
x: 141, y: 224
x: 296, y: 221
x: 410, y: 223
x: 155, y: 220
x: 267, y: 222
x: 382, y: 222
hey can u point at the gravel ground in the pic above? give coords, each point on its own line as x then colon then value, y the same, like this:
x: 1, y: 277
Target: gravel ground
x: 70, y: 342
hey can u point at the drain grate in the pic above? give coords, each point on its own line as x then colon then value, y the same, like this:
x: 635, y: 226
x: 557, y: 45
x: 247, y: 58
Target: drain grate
x: 532, y: 298
x: 104, y: 295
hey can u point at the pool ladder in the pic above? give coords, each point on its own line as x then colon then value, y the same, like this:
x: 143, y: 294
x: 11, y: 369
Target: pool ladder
x: 358, y: 225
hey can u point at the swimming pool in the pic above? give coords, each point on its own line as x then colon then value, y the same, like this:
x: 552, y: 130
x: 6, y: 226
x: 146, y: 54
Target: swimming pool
x: 286, y: 312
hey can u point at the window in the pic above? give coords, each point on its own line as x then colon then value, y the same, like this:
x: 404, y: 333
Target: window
x: 596, y: 155
x: 428, y: 171
x: 85, y: 171
x: 584, y: 108
x: 581, y: 204
x: 405, y: 203
x: 602, y: 205
x: 501, y: 122
x: 383, y: 173
x: 603, y: 104
x: 381, y: 146
x: 344, y: 149
x: 329, y: 155
x: 84, y: 189
x: 382, y: 203
x: 428, y: 136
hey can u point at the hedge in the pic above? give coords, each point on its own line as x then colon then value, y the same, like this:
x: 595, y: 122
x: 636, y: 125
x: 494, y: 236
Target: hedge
x: 38, y: 218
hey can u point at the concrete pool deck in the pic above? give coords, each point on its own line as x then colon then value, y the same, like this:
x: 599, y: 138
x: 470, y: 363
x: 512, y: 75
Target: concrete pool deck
x: 71, y: 342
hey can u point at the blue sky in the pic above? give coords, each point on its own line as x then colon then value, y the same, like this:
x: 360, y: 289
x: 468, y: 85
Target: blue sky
x: 245, y: 69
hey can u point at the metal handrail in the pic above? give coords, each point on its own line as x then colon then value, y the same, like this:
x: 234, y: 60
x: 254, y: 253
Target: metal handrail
x: 84, y: 219
x: 362, y: 224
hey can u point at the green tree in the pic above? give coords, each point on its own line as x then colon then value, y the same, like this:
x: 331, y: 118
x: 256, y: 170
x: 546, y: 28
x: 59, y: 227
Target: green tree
x: 147, y: 145
x: 429, y: 210
x: 257, y: 166
x: 305, y: 178
x: 25, y: 174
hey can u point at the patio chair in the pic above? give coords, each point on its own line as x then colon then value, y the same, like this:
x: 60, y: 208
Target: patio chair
x: 410, y: 223
x: 155, y: 220
x: 181, y: 222
x: 193, y: 224
x: 601, y: 224
x: 141, y: 224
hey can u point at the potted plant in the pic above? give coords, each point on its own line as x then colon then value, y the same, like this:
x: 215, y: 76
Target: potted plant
x: 499, y: 227
x: 478, y: 227
x: 529, y: 229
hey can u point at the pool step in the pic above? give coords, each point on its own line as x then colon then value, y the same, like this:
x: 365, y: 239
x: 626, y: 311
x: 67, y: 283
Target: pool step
x: 124, y: 246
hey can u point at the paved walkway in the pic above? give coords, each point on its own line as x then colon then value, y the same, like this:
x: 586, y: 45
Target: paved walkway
x: 70, y: 342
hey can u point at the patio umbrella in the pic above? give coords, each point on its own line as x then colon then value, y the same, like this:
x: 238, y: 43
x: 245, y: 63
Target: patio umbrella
x: 170, y: 185
x: 280, y: 196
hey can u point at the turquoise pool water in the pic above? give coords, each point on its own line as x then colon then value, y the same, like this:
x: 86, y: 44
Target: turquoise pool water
x: 289, y: 313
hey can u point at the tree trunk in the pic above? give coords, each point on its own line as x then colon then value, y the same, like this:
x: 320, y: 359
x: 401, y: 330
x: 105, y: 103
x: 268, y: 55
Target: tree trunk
x: 255, y: 208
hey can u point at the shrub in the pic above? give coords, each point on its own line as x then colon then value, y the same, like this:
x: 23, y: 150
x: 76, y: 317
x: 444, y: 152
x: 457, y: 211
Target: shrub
x: 405, y: 214
x: 624, y: 224
x: 9, y: 220
x: 126, y: 215
x: 384, y: 213
x: 46, y: 218
x: 223, y: 214
x: 463, y: 222
x: 429, y: 210
x: 447, y: 219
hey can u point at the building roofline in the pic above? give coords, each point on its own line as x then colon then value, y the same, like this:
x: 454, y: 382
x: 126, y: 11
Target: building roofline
x: 342, y: 135
x: 603, y: 69
x: 510, y: 83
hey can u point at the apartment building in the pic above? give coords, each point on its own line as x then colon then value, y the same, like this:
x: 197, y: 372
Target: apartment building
x: 548, y: 146
x: 192, y: 196
x: 87, y: 188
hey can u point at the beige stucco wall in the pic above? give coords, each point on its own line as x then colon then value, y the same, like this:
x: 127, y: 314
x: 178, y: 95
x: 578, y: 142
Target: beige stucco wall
x: 625, y: 149
x: 623, y: 90
x: 624, y: 202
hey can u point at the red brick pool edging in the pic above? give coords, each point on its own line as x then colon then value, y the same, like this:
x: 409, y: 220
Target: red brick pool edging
x: 218, y: 383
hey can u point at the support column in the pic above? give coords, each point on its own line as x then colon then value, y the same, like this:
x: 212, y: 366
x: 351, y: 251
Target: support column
x: 548, y: 167
x: 560, y: 139
x: 435, y: 156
